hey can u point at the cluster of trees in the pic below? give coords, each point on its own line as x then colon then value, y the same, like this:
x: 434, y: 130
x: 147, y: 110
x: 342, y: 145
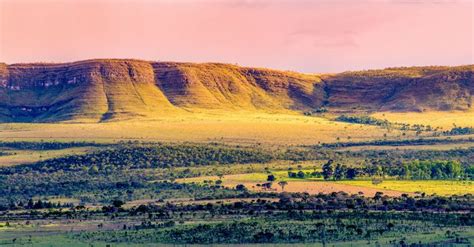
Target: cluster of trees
x: 393, y: 156
x: 146, y: 156
x: 410, y: 142
x: 103, y: 188
x: 257, y: 231
x: 434, y: 170
x: 460, y: 131
x: 419, y: 128
x: 416, y: 169
x: 294, y: 218
x: 122, y: 171
x: 332, y: 201
x: 363, y: 120
x: 316, y: 111
x: 385, y: 123
x: 32, y: 204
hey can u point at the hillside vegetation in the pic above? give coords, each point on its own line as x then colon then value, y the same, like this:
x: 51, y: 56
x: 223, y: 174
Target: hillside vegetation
x: 103, y: 90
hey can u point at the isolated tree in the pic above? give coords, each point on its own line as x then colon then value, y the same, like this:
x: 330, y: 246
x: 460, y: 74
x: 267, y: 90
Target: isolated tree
x: 240, y: 187
x: 327, y: 170
x: 271, y: 178
x: 118, y: 203
x: 378, y: 195
x: 282, y: 184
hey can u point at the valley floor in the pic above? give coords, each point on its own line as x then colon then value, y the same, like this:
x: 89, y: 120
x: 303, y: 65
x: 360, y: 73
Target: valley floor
x: 197, y: 179
x: 237, y: 128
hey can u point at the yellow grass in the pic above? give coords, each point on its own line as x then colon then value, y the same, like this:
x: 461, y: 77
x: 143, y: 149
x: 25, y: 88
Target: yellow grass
x: 439, y: 187
x: 243, y: 127
x: 17, y: 157
x: 237, y: 127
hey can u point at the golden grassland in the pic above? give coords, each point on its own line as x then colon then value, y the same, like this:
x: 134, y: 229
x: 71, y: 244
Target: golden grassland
x: 240, y: 128
x: 17, y: 157
x: 281, y: 128
x: 445, y: 120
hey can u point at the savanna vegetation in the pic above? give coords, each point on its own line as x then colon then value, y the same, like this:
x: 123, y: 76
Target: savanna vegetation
x: 132, y: 192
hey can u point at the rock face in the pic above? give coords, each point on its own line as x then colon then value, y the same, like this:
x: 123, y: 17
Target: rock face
x: 100, y: 90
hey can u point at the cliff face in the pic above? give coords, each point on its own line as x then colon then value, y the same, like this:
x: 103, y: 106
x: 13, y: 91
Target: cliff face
x: 98, y: 90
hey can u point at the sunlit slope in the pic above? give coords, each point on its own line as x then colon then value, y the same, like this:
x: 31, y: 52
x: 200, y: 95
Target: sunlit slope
x: 90, y: 90
x: 114, y: 89
x: 221, y: 86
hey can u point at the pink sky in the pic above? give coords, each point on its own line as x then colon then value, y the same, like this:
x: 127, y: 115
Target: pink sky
x: 300, y: 35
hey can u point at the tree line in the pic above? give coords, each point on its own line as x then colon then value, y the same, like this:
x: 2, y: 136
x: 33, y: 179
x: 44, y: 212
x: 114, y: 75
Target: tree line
x: 416, y: 170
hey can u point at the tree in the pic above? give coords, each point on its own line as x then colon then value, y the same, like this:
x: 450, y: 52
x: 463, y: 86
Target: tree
x: 351, y: 173
x: 271, y: 178
x: 240, y: 187
x: 327, y: 170
x: 300, y: 174
x: 378, y: 195
x: 118, y: 203
x: 282, y: 184
x: 30, y: 204
x: 267, y: 185
x: 339, y: 172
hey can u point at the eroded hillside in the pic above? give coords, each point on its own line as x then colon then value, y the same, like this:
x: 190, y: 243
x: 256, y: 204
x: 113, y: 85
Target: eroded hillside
x: 100, y: 90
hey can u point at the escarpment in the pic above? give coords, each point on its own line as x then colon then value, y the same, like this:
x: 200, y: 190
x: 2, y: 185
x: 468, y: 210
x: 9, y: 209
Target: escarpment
x: 115, y: 89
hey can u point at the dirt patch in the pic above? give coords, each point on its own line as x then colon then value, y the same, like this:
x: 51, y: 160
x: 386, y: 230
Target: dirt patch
x: 316, y: 187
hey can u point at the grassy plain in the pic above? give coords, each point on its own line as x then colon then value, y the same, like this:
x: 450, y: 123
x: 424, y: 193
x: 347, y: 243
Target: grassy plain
x: 238, y: 127
x: 17, y: 157
x: 241, y: 128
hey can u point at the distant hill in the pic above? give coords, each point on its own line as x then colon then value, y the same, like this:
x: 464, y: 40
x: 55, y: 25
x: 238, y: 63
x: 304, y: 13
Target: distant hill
x: 112, y: 89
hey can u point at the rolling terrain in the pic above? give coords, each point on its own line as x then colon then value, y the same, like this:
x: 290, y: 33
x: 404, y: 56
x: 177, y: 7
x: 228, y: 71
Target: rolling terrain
x: 105, y: 90
x: 111, y: 152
